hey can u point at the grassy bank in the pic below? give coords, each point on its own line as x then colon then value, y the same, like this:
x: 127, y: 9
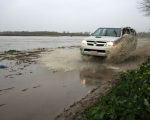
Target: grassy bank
x: 129, y: 99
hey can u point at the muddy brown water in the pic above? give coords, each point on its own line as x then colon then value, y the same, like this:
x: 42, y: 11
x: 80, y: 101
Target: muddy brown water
x: 40, y: 91
x: 36, y: 93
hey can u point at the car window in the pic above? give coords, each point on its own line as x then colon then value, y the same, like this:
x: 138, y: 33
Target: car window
x: 113, y: 32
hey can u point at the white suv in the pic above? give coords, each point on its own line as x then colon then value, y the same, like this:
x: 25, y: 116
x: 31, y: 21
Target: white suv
x: 103, y: 39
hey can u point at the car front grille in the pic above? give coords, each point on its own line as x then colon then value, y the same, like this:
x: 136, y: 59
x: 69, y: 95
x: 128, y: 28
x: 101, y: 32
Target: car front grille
x: 96, y: 43
x: 88, y: 50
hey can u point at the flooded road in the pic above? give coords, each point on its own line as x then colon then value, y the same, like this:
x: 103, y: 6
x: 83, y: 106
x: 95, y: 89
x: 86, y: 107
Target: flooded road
x: 41, y: 90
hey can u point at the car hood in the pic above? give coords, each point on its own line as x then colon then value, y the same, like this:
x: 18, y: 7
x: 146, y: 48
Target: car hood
x: 102, y: 38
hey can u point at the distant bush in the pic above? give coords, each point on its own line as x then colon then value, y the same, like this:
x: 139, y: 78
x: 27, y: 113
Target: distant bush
x: 128, y: 100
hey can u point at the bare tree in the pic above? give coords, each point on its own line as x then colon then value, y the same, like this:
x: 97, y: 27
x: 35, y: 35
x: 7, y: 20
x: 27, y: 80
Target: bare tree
x: 145, y: 6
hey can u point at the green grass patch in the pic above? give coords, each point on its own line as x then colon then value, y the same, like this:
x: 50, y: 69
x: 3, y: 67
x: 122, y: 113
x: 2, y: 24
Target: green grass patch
x: 129, y: 99
x: 11, y: 51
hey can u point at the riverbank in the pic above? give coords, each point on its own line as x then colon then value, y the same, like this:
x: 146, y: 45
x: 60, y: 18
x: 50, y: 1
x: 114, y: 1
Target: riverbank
x: 128, y: 99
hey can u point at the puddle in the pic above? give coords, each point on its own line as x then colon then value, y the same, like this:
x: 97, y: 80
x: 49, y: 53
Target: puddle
x: 41, y: 94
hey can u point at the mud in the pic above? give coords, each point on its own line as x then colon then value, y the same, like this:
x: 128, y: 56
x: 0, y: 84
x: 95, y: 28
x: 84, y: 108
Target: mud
x: 122, y: 49
x: 27, y: 56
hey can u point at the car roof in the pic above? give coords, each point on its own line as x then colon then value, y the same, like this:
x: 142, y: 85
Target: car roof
x: 117, y: 27
x: 110, y: 27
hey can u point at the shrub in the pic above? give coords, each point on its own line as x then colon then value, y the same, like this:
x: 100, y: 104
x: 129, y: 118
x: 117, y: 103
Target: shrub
x: 129, y: 99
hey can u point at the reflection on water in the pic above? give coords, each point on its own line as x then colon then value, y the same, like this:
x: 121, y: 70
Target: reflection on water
x: 83, y: 81
x: 93, y: 76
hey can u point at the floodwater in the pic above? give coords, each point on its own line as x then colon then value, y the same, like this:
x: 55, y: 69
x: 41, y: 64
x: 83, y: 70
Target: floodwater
x: 37, y: 91
x: 32, y: 42
x: 42, y: 90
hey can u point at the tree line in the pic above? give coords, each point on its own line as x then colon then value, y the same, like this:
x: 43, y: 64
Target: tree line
x: 42, y: 33
x: 145, y: 7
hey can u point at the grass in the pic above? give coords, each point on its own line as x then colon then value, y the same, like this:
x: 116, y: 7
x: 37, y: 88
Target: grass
x: 129, y: 99
x: 11, y: 51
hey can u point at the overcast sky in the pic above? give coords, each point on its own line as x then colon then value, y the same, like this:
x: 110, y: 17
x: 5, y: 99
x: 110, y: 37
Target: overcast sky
x: 70, y: 15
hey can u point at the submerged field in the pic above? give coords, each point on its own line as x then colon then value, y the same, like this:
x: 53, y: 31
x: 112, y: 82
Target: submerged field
x: 55, y: 81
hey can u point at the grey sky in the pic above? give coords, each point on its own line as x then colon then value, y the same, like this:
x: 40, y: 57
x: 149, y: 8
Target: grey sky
x: 70, y: 15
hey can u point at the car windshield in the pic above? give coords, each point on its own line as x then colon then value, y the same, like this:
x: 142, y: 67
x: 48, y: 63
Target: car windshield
x: 114, y: 32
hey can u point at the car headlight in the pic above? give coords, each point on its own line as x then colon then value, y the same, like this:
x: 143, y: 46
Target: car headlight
x: 84, y: 42
x: 110, y: 44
